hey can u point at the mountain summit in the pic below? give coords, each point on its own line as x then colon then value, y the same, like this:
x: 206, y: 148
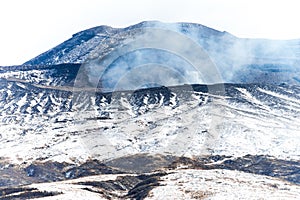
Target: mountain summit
x: 236, y: 59
x: 77, y: 48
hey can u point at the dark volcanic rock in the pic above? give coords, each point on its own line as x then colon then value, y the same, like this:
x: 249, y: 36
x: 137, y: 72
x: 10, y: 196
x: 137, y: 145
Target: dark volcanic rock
x: 24, y: 193
x: 256, y: 164
x: 141, y: 163
x: 133, y: 187
x: 38, y: 172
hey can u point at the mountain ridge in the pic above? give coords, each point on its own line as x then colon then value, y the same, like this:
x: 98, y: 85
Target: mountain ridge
x: 105, y: 31
x: 108, y: 31
x: 231, y: 55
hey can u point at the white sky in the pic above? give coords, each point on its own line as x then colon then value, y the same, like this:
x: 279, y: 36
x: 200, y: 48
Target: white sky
x: 30, y: 27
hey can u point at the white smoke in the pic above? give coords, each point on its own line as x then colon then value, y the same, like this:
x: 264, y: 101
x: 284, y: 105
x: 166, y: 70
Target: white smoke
x: 196, y: 54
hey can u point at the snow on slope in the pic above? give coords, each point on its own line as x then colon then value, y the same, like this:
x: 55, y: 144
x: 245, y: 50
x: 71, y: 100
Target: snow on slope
x: 178, y: 183
x: 221, y: 184
x: 247, y: 119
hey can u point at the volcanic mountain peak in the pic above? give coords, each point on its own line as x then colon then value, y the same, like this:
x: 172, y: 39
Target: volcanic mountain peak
x: 231, y: 56
x: 77, y: 48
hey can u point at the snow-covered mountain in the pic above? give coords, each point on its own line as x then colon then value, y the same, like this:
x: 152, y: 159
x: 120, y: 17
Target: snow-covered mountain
x: 83, y: 114
x: 271, y: 60
x: 263, y: 117
x: 79, y: 47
